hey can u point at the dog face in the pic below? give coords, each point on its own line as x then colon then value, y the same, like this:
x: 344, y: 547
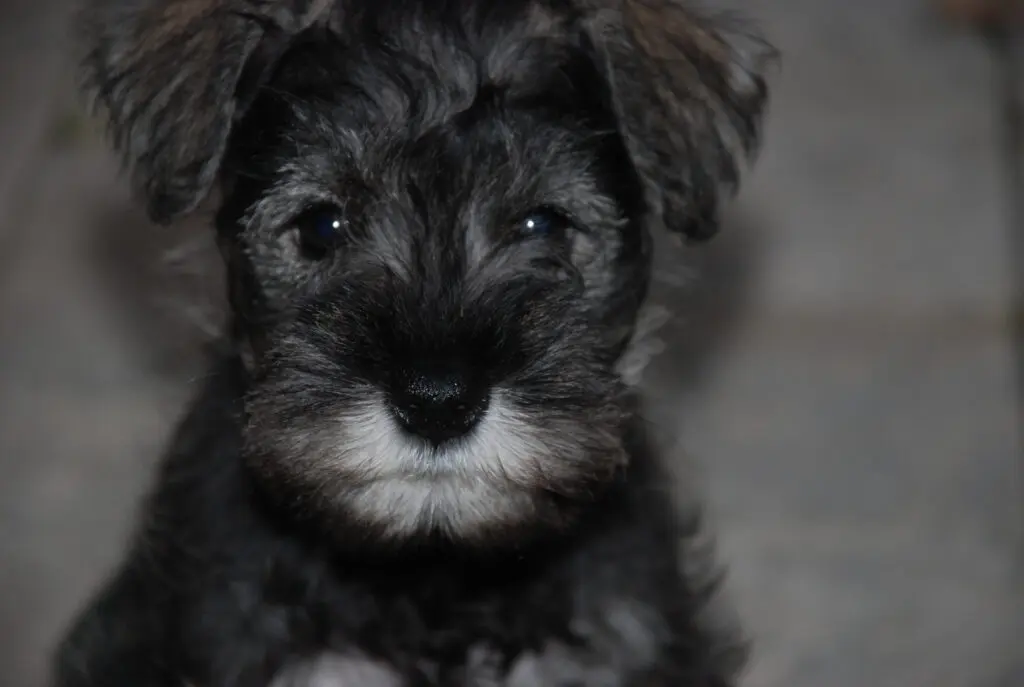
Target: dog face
x: 436, y: 220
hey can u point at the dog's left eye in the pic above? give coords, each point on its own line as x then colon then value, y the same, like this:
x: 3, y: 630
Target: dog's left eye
x: 544, y: 222
x: 319, y: 231
x: 326, y: 226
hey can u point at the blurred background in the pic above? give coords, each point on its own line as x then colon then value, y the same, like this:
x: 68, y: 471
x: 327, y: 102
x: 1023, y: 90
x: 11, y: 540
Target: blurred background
x: 838, y: 375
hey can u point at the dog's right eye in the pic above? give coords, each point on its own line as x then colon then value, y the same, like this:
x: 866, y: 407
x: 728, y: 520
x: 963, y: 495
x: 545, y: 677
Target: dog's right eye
x: 320, y: 230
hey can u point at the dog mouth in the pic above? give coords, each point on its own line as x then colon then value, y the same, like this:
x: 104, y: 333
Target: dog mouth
x: 446, y: 454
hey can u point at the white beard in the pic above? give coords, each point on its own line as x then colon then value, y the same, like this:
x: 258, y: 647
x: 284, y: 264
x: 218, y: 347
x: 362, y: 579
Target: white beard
x: 403, y: 484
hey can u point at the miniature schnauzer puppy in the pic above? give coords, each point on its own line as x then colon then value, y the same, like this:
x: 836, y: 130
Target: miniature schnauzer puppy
x: 414, y: 461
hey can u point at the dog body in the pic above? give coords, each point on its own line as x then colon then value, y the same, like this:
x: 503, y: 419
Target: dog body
x: 414, y: 461
x: 218, y: 592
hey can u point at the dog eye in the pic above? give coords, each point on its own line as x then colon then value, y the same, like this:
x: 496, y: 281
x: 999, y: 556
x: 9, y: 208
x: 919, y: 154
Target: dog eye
x: 320, y: 230
x: 544, y: 222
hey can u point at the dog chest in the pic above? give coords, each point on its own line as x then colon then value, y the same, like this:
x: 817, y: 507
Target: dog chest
x: 623, y: 640
x: 337, y: 670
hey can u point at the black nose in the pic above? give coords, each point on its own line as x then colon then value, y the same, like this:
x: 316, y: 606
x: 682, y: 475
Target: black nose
x: 438, y: 403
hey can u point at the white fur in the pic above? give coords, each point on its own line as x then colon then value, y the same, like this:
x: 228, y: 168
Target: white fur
x: 337, y: 670
x: 622, y: 640
x: 371, y: 438
x: 644, y: 345
x: 405, y: 483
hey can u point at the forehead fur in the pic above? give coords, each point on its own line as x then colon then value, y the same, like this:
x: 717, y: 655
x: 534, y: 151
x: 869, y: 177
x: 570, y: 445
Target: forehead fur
x: 414, y: 64
x: 450, y: 106
x: 430, y: 158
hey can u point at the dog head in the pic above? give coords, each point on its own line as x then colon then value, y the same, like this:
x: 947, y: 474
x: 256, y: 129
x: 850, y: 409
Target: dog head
x: 436, y: 218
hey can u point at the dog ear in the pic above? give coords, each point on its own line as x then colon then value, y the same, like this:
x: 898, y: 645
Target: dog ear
x: 173, y: 75
x: 689, y: 93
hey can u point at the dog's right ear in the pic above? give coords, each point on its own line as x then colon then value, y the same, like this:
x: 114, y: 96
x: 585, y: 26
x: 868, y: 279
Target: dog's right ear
x: 173, y: 75
x: 689, y: 92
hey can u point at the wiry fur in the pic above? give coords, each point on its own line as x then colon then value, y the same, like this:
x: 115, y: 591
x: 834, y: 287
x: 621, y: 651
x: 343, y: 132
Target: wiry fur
x: 298, y: 535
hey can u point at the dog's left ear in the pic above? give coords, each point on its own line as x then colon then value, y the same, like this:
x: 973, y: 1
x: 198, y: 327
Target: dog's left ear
x: 173, y: 75
x: 689, y: 93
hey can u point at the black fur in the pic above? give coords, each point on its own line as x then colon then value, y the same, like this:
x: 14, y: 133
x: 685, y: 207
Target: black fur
x: 408, y: 187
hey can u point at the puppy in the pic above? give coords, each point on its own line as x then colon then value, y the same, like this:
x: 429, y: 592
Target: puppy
x: 414, y: 461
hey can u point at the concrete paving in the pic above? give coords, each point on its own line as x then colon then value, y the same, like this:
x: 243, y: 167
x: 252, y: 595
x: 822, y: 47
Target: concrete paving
x: 839, y: 370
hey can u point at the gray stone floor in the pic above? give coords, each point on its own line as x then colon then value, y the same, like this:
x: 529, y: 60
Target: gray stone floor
x: 839, y: 373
